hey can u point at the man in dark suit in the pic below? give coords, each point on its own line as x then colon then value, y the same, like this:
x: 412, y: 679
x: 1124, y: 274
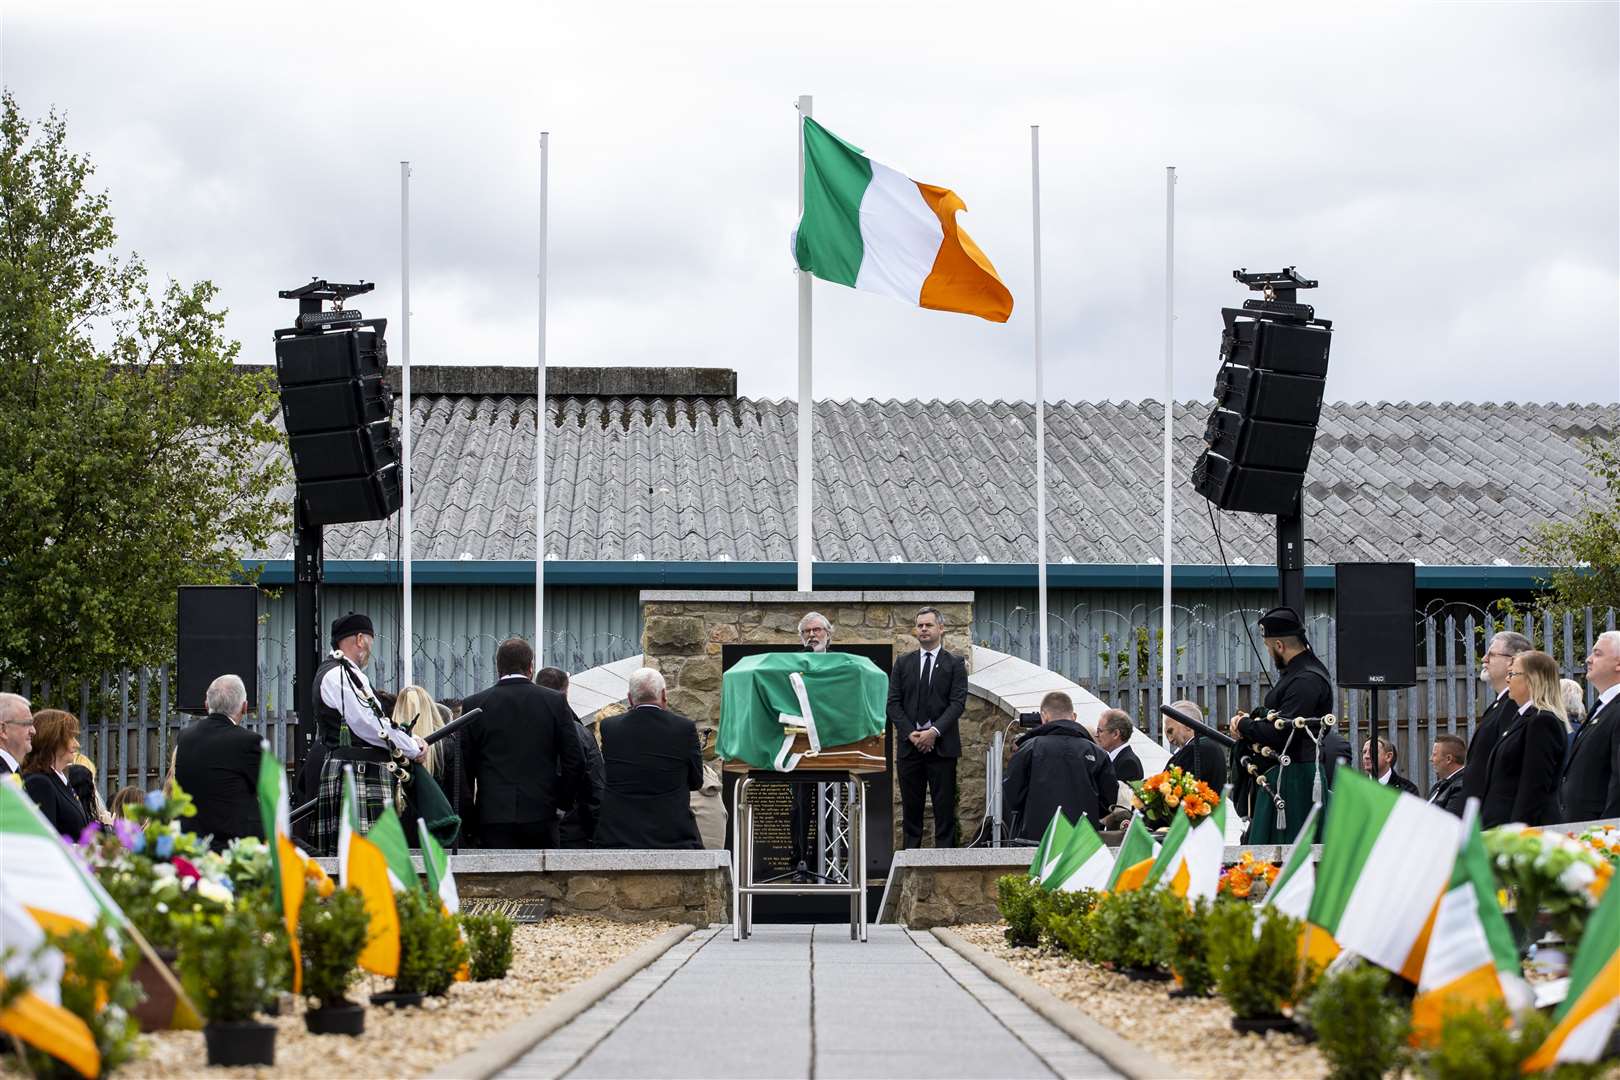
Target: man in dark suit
x: 1114, y: 731
x: 16, y: 731
x: 654, y: 762
x: 927, y: 693
x: 1385, y: 773
x: 522, y: 755
x: 575, y: 827
x: 1447, y: 757
x: 1590, y: 785
x: 1498, y: 716
x: 216, y: 762
x: 1195, y: 753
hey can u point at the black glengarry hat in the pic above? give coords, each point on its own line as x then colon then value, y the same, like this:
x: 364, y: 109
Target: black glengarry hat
x: 348, y: 625
x: 1282, y: 622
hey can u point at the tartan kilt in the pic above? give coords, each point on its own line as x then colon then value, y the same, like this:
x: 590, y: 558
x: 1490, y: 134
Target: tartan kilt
x: 1295, y: 786
x: 373, y: 792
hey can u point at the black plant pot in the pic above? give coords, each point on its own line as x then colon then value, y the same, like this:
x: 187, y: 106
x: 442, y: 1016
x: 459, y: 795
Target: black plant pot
x: 1183, y: 992
x: 241, y: 1042
x: 1259, y: 1025
x: 346, y: 1018
x: 397, y: 999
x: 1137, y: 974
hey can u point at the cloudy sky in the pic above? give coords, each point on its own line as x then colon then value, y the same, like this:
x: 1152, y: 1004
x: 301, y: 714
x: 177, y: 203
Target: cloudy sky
x: 1450, y: 172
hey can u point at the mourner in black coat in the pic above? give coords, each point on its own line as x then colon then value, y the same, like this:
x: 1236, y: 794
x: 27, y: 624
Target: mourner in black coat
x: 1195, y: 753
x: 57, y: 802
x: 927, y: 693
x: 1447, y: 757
x: 1498, y: 715
x: 1522, y: 780
x: 522, y: 755
x: 44, y: 771
x: 1114, y: 731
x: 1057, y: 765
x: 1590, y: 785
x: 217, y: 764
x: 653, y: 761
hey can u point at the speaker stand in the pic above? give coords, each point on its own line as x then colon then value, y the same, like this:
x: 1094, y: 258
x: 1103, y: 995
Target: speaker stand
x: 1291, y: 558
x: 309, y: 568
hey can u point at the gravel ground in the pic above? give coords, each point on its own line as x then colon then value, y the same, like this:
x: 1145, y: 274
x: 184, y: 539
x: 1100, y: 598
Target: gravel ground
x: 548, y: 958
x: 1193, y: 1034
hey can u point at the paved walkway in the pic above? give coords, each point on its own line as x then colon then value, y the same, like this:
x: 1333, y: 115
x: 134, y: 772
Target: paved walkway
x: 803, y: 1001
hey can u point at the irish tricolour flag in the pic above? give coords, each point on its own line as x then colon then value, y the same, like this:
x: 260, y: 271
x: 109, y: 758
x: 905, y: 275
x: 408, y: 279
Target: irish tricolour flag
x: 1135, y: 858
x: 1386, y: 858
x: 363, y: 866
x: 1590, y: 1009
x: 1291, y: 893
x: 286, y: 866
x: 1051, y: 846
x: 872, y: 228
x: 1084, y: 863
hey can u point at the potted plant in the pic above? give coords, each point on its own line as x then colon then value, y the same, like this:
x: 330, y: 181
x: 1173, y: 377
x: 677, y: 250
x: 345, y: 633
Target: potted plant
x: 1186, y: 942
x: 331, y: 935
x: 430, y: 950
x: 1258, y: 970
x: 224, y: 968
x: 489, y: 938
x: 98, y: 988
x: 1127, y: 934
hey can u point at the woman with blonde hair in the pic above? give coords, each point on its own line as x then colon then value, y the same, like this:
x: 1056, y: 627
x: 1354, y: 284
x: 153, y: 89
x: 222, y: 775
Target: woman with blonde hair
x: 417, y: 712
x: 1521, y: 782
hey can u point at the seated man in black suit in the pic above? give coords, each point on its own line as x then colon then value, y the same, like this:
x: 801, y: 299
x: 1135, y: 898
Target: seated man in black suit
x: 522, y: 755
x: 654, y: 762
x: 1114, y: 731
x: 216, y: 762
x: 1447, y: 757
x: 1192, y: 752
x: 1385, y: 772
x: 574, y: 828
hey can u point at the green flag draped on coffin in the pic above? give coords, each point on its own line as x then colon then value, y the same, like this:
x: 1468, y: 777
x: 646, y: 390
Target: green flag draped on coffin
x: 832, y: 699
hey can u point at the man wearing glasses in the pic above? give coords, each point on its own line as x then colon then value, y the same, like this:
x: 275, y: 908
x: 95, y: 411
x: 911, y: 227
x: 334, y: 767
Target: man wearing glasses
x: 16, y: 731
x: 1495, y: 719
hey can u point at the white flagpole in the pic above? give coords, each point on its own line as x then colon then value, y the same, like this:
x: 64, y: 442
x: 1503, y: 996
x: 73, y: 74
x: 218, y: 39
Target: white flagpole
x: 540, y: 422
x: 406, y: 647
x: 1167, y: 648
x: 806, y: 401
x: 1040, y: 402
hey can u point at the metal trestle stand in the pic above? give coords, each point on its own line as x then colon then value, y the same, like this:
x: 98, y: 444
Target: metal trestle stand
x: 844, y: 876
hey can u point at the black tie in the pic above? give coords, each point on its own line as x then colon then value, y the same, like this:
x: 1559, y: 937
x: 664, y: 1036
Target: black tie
x: 928, y: 669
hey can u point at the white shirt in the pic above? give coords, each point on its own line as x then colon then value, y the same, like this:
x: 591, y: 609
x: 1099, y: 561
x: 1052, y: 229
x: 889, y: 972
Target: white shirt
x: 1603, y: 699
x: 1385, y: 778
x: 11, y: 761
x: 1526, y: 707
x: 338, y: 692
x: 1114, y: 753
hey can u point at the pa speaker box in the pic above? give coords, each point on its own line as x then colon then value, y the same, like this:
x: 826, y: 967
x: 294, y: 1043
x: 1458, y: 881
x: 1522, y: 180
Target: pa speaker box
x: 331, y: 406
x: 219, y: 635
x: 1262, y: 444
x: 1300, y: 350
x: 1376, y: 632
x: 332, y: 455
x: 1233, y: 487
x: 363, y: 498
x: 1270, y: 395
x: 345, y: 354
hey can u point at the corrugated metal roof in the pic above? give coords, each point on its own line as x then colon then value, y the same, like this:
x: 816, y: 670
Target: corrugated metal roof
x: 934, y: 481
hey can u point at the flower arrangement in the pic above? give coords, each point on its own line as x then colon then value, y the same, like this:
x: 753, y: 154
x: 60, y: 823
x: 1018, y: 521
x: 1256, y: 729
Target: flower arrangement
x: 1549, y: 876
x: 1162, y: 793
x: 1604, y: 840
x: 1239, y: 879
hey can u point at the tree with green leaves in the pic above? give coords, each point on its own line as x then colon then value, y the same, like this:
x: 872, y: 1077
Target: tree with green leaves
x: 1585, y: 551
x: 132, y: 451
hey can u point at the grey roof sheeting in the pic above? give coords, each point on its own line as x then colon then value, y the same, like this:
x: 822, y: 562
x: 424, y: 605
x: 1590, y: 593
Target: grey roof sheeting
x: 933, y: 481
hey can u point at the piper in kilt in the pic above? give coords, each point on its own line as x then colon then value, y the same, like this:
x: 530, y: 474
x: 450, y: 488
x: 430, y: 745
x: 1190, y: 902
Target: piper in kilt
x: 1303, y: 688
x: 352, y: 728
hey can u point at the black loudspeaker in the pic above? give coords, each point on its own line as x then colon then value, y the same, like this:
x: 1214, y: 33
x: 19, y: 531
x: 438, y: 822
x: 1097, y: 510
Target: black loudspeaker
x: 219, y: 635
x: 1376, y: 631
x: 337, y: 410
x: 1268, y: 399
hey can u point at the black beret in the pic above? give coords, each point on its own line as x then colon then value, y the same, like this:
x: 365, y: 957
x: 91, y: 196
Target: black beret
x: 347, y: 625
x: 1281, y: 622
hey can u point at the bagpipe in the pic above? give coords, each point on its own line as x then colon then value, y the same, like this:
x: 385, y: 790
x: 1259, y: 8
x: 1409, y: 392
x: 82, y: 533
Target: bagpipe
x: 407, y: 772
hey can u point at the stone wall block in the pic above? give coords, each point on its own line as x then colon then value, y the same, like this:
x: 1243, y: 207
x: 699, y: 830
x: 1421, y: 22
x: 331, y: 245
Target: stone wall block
x: 673, y: 635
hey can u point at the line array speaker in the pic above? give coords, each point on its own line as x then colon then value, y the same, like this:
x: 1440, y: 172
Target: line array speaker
x: 1375, y: 631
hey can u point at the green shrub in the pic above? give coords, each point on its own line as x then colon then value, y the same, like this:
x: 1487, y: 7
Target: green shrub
x: 1059, y: 905
x: 225, y: 965
x: 1186, y: 940
x: 489, y: 937
x: 1126, y: 930
x: 1481, y: 1044
x: 1074, y: 934
x: 1257, y: 973
x: 1017, y: 897
x: 1360, y: 1028
x: 98, y: 987
x: 332, y: 933
x: 430, y: 946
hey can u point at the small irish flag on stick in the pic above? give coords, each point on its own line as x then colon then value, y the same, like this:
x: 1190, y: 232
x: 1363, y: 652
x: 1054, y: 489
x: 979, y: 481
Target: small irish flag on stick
x: 286, y: 868
x: 872, y: 228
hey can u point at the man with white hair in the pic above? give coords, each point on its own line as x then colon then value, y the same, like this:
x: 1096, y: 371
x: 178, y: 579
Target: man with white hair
x: 653, y: 761
x: 216, y: 762
x: 1498, y: 716
x: 16, y: 731
x: 1590, y: 786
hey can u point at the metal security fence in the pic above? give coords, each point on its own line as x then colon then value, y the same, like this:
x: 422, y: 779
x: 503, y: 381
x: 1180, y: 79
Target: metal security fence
x: 1220, y: 663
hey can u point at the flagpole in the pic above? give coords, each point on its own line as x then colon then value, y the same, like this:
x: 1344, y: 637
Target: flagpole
x: 540, y: 422
x: 1040, y: 402
x: 406, y: 637
x: 806, y: 401
x: 1167, y: 646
